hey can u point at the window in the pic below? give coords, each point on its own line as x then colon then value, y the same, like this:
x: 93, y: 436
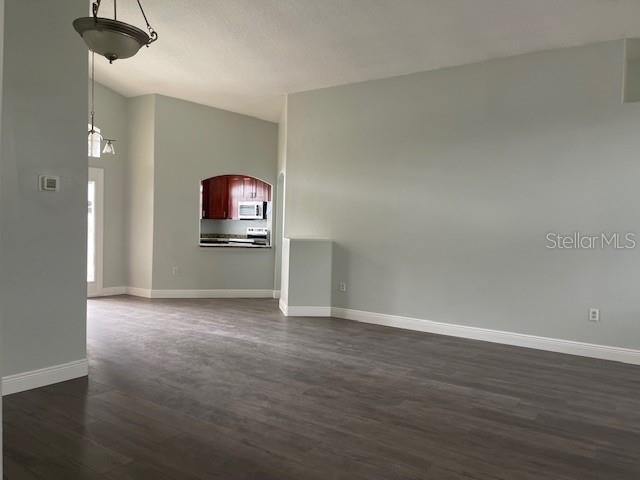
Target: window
x: 91, y: 233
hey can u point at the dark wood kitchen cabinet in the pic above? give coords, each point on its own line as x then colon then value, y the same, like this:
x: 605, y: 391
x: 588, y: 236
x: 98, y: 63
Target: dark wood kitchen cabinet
x: 215, y: 198
x: 261, y: 191
x: 221, y: 195
x: 248, y: 188
x: 236, y: 195
x: 256, y: 190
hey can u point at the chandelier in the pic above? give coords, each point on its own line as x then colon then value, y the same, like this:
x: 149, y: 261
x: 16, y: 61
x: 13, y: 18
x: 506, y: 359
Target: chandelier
x: 113, y: 39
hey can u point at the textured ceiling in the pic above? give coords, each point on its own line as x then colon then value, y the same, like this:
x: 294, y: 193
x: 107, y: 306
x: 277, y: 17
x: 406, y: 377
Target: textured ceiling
x: 244, y: 55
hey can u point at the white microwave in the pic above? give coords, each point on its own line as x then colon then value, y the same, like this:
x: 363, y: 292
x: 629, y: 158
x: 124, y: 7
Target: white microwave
x: 252, y: 210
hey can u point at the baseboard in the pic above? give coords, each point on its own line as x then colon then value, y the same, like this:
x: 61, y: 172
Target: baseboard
x: 223, y: 293
x: 284, y: 308
x: 21, y: 382
x: 139, y: 292
x: 110, y: 291
x: 618, y: 354
x: 294, y: 311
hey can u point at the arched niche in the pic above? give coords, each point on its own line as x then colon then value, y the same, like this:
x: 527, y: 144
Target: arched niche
x: 235, y: 208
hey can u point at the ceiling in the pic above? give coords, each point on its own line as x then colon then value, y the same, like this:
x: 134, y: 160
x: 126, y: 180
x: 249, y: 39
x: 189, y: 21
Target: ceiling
x: 245, y: 55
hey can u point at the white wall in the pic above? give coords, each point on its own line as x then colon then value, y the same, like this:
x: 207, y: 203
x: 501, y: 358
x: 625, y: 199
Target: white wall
x: 165, y: 148
x: 276, y: 237
x: 1, y: 222
x: 111, y: 118
x: 280, y: 194
x: 632, y: 70
x: 140, y: 200
x: 44, y: 131
x: 284, y: 281
x: 439, y: 189
x: 309, y: 273
x: 194, y: 142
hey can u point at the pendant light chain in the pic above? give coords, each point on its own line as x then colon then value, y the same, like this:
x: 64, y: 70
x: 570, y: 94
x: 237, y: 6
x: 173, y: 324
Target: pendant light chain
x: 93, y: 90
x: 109, y: 147
x: 113, y: 40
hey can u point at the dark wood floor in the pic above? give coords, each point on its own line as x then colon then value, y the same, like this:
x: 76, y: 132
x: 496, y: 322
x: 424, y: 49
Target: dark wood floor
x: 230, y: 389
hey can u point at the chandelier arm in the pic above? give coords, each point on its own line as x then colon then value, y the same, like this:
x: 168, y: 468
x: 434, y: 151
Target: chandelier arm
x: 96, y: 7
x: 153, y: 35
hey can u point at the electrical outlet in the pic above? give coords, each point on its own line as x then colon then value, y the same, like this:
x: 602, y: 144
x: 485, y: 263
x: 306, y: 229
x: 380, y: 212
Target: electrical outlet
x: 594, y: 314
x: 175, y: 271
x: 342, y: 286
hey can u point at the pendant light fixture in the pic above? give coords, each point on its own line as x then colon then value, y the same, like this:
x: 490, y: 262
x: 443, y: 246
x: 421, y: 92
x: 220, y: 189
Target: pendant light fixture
x: 113, y: 39
x: 109, y: 147
x: 95, y: 137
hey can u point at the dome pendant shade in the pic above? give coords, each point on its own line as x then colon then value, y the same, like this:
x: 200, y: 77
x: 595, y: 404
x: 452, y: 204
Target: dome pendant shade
x: 113, y: 39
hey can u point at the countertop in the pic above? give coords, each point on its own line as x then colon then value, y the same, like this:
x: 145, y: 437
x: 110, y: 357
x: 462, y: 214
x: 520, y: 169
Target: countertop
x: 228, y: 241
x: 232, y: 245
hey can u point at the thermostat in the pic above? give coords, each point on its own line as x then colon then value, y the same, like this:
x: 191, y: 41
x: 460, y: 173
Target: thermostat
x: 48, y: 183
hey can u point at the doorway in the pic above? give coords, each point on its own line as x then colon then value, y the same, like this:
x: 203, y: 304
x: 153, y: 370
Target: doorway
x: 95, y: 215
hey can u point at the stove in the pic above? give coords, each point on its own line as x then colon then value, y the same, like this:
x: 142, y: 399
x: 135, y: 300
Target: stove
x: 258, y: 235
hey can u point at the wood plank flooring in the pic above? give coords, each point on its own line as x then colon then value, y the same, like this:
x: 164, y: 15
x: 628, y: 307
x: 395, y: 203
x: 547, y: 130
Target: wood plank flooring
x: 231, y: 389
